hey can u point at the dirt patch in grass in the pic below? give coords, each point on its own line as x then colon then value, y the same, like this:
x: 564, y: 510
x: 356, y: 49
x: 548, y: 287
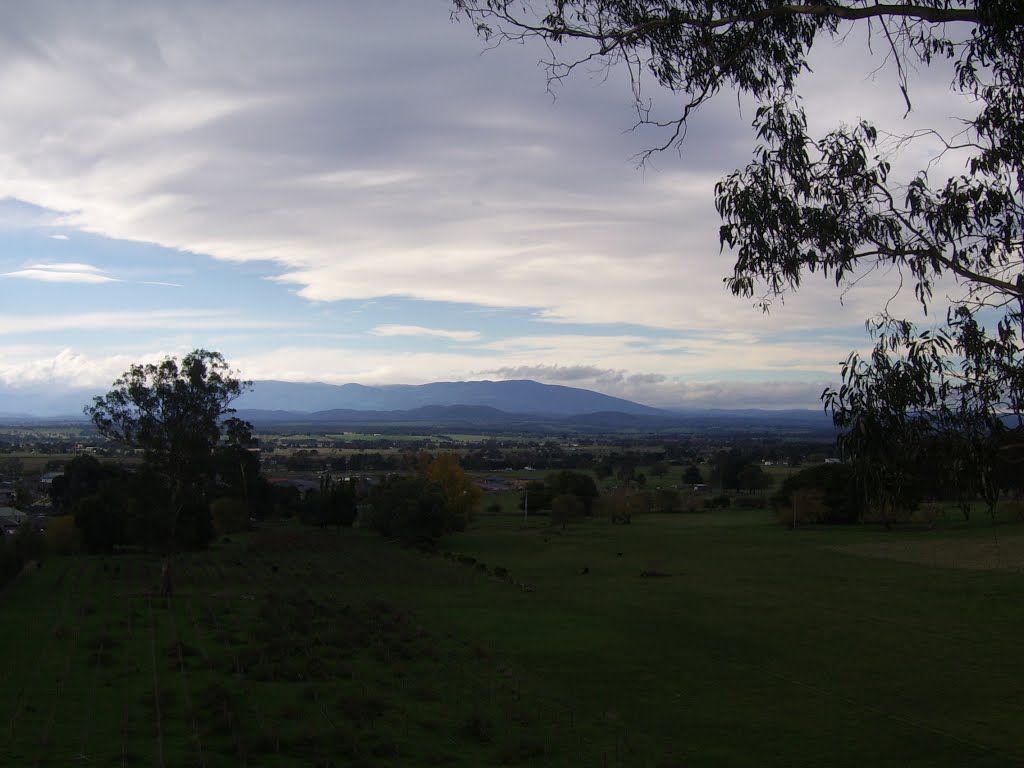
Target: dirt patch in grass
x: 1005, y: 553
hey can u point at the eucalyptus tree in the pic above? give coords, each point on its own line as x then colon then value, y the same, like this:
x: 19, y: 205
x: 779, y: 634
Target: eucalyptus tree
x: 173, y: 411
x: 842, y: 202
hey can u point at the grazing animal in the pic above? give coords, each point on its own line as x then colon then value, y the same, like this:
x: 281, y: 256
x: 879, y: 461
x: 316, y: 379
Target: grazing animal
x: 585, y: 571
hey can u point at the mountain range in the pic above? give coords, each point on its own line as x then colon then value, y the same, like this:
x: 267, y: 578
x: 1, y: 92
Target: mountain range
x: 524, y: 405
x: 510, y: 396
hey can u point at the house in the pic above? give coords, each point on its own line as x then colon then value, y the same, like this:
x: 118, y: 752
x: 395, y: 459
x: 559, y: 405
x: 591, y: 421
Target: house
x: 10, y: 519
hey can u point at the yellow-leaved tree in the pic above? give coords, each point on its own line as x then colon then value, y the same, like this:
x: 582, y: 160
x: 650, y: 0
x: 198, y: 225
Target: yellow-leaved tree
x: 462, y: 494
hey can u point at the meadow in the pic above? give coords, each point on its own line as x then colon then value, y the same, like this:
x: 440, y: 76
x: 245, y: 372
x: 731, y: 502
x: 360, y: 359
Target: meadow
x: 711, y: 639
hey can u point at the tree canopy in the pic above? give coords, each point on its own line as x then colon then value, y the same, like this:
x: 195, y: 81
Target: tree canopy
x: 173, y: 411
x: 843, y: 202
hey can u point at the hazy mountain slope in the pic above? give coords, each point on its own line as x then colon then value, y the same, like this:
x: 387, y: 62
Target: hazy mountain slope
x: 508, y: 396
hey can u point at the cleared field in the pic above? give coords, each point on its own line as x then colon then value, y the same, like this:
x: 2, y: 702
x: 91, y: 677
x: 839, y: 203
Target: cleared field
x: 696, y: 640
x: 995, y: 552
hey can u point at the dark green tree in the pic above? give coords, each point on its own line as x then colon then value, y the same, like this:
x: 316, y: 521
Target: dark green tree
x: 752, y: 477
x: 667, y: 500
x: 834, y: 485
x: 411, y: 509
x: 535, y: 497
x: 237, y: 465
x: 173, y: 412
x: 565, y: 507
x: 337, y: 503
x: 846, y: 201
x: 579, y: 484
x: 692, y: 475
x: 726, y: 467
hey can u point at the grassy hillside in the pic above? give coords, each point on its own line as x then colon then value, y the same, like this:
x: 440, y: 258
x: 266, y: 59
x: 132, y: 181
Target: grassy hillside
x: 697, y: 640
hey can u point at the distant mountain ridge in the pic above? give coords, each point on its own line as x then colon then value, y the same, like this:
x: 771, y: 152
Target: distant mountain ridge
x: 476, y: 405
x: 512, y: 397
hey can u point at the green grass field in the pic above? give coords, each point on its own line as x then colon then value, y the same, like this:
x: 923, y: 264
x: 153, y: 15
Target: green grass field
x: 744, y: 644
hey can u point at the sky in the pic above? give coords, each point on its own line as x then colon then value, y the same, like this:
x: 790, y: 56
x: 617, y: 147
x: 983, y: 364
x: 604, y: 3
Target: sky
x: 364, y: 192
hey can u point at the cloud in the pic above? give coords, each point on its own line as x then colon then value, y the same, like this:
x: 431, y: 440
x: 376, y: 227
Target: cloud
x: 355, y: 151
x: 67, y: 369
x: 766, y: 394
x: 642, y: 377
x: 263, y: 139
x: 553, y: 374
x: 62, y: 273
x: 59, y: 237
x: 416, y: 330
x: 548, y: 373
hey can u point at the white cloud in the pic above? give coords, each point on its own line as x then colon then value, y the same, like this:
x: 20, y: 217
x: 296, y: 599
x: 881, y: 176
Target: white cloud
x: 61, y: 273
x: 416, y: 330
x: 64, y: 368
x: 68, y: 267
x: 265, y: 139
x: 666, y: 372
x: 362, y: 150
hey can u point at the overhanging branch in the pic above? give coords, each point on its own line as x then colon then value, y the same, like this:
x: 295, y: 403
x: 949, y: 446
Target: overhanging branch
x: 674, y: 19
